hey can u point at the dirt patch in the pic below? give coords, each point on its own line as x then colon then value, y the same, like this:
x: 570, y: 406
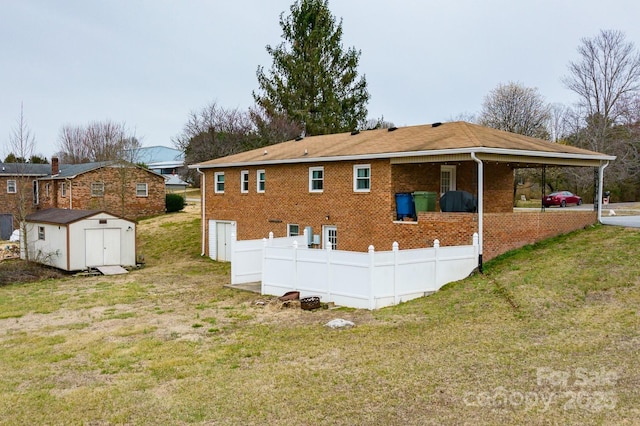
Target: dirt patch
x: 16, y: 271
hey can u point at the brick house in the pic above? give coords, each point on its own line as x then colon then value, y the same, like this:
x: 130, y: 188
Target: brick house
x: 343, y: 187
x: 123, y: 189
x: 16, y: 185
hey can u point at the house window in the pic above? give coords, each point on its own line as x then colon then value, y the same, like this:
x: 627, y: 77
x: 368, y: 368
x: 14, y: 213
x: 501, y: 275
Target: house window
x: 63, y: 189
x: 447, y: 179
x: 36, y: 193
x: 41, y: 233
x: 362, y: 178
x: 97, y: 189
x: 219, y: 182
x: 46, y: 190
x: 260, y: 181
x: 316, y: 179
x: 12, y: 187
x: 293, y: 230
x: 244, y: 181
x: 142, y: 190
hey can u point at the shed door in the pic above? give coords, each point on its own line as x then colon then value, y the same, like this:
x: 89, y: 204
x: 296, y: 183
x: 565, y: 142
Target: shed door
x: 6, y: 226
x: 102, y: 247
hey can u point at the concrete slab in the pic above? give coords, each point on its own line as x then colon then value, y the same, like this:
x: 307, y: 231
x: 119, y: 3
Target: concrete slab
x: 255, y: 287
x: 112, y: 270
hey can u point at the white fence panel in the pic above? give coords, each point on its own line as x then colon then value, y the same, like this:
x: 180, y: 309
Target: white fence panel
x: 360, y: 280
x: 247, y: 256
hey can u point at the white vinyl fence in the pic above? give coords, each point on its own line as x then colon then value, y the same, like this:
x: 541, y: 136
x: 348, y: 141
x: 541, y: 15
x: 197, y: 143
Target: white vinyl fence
x: 361, y: 280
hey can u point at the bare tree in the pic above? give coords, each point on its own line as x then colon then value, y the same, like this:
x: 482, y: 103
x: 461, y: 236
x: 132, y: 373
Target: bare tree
x: 606, y: 78
x: 515, y: 108
x: 97, y: 141
x: 22, y: 144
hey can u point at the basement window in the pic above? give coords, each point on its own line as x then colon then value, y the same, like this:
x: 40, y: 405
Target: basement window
x: 293, y: 229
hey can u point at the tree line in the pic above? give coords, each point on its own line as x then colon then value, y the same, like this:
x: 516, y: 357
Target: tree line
x: 313, y: 87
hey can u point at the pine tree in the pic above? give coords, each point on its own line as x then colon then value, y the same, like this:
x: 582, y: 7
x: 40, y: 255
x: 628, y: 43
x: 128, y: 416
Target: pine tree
x: 313, y: 80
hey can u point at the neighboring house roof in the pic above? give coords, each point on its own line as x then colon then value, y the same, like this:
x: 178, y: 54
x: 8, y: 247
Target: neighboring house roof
x: 159, y: 156
x: 413, y: 141
x: 24, y: 169
x: 66, y: 216
x: 70, y: 171
x: 60, y: 216
x: 174, y: 180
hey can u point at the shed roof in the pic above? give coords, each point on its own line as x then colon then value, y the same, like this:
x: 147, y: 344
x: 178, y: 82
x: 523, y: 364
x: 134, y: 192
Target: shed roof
x: 430, y: 139
x: 62, y: 216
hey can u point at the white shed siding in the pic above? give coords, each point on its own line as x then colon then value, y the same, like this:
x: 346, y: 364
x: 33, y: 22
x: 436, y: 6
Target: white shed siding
x: 53, y: 249
x: 65, y: 246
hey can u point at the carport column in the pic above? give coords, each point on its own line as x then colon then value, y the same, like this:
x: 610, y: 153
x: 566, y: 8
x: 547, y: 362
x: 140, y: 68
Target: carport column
x: 600, y: 180
x: 480, y: 210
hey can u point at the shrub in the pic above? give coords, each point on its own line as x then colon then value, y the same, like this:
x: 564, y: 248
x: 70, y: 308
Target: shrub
x: 174, y: 203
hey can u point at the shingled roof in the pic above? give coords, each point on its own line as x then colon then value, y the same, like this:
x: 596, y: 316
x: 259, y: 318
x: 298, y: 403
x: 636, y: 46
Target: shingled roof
x: 60, y: 216
x: 431, y: 139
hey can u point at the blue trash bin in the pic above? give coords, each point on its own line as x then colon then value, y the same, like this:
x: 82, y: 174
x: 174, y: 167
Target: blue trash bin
x: 404, y: 205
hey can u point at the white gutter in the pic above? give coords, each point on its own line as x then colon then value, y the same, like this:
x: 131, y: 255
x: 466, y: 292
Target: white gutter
x: 202, y: 207
x: 475, y: 150
x: 600, y: 181
x: 480, y: 206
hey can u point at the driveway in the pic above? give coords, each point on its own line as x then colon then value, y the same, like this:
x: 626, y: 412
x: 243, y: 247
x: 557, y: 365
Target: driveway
x: 628, y: 221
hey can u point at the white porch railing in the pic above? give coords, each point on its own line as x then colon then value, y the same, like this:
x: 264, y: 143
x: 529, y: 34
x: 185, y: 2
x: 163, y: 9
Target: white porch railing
x: 361, y: 280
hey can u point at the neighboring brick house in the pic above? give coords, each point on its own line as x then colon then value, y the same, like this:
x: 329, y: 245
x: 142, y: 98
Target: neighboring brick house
x: 343, y: 187
x: 123, y: 189
x: 16, y: 193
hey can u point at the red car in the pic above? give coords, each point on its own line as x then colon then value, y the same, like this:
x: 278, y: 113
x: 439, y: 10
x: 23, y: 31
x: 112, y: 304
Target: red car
x: 561, y: 198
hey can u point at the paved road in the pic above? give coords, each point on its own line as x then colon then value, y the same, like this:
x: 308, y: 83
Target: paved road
x: 629, y: 221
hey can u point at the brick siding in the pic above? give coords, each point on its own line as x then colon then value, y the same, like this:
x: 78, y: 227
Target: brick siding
x: 119, y: 192
x: 364, y: 219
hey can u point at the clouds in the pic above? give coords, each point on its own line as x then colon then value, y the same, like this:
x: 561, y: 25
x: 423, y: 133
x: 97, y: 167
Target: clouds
x: 148, y: 63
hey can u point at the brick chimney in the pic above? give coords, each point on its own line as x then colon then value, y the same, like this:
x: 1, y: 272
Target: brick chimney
x: 55, y: 168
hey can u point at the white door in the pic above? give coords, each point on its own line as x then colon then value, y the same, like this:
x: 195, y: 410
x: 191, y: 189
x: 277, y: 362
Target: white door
x: 102, y: 247
x: 111, y: 247
x: 220, y: 240
x: 330, y: 235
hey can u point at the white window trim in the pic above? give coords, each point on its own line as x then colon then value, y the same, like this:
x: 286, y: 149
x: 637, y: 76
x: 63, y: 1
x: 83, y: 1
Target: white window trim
x: 452, y: 183
x: 15, y: 186
x: 258, y: 181
x: 311, y: 179
x: 244, y: 174
x: 63, y: 189
x: 357, y: 167
x: 101, y: 194
x: 146, y: 189
x: 289, y: 225
x: 217, y: 175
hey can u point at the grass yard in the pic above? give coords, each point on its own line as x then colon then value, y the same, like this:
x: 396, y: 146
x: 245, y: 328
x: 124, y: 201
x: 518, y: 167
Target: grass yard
x: 549, y: 334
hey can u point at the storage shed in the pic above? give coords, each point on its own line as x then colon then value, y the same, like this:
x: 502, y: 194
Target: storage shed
x: 75, y: 240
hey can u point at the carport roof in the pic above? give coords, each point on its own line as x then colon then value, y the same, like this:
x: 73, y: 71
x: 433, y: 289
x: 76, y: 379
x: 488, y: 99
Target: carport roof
x: 455, y: 138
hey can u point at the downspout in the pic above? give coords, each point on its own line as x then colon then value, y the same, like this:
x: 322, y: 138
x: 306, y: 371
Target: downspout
x: 480, y: 208
x: 600, y: 183
x: 203, y: 199
x: 68, y: 181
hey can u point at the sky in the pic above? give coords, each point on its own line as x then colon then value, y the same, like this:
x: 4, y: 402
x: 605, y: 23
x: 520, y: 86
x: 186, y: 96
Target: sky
x: 148, y: 63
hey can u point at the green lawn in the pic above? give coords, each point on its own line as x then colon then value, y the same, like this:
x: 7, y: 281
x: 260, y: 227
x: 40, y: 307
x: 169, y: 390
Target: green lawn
x: 549, y: 334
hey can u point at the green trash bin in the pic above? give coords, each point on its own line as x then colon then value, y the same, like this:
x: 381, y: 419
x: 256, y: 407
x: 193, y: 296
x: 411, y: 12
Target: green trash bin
x: 425, y: 201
